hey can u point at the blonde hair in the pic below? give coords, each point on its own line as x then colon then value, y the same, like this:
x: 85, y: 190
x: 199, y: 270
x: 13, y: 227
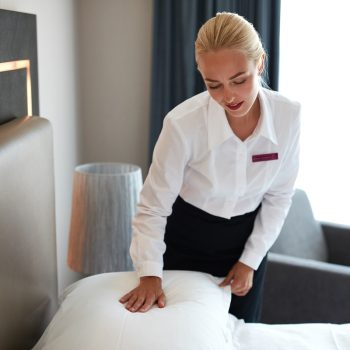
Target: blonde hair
x: 229, y: 31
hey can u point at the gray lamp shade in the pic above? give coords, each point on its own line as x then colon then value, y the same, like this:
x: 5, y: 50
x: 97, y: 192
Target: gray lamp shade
x: 104, y: 202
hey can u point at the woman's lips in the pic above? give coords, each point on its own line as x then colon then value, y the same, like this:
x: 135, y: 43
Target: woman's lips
x: 234, y: 106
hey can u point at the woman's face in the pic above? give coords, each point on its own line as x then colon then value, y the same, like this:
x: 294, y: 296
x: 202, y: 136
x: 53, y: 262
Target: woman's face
x: 231, y: 79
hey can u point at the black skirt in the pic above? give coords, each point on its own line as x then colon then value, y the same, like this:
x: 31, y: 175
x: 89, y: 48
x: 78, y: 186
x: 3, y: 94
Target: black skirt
x: 198, y: 241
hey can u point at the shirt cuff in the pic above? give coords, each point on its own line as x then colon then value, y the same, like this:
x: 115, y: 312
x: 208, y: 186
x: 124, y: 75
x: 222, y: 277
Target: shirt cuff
x: 251, y: 259
x: 150, y: 268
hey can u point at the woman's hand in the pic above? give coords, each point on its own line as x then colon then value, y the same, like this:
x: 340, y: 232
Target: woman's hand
x: 148, y: 292
x: 240, y: 277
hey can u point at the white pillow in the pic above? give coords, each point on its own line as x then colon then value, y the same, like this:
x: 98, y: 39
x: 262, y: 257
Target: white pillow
x: 91, y: 317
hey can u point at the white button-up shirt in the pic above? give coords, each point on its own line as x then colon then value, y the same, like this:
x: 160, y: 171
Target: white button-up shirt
x: 198, y: 157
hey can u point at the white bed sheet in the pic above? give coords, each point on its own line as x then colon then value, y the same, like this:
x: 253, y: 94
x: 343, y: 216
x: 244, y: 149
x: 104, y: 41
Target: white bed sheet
x: 195, y: 318
x: 312, y: 336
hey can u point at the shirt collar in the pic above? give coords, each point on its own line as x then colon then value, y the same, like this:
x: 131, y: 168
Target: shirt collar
x: 266, y: 126
x: 219, y: 129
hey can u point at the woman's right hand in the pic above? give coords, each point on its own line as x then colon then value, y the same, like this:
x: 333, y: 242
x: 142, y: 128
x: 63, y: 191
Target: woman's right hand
x: 148, y: 292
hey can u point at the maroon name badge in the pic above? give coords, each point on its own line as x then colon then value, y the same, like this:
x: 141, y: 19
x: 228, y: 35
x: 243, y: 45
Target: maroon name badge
x: 264, y: 157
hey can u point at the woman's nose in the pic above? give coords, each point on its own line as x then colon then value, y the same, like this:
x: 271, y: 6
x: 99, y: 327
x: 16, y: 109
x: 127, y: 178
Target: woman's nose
x: 229, y: 100
x: 229, y: 96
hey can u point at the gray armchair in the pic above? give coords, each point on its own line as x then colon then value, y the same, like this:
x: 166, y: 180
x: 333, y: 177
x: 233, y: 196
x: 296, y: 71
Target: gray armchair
x: 308, y: 271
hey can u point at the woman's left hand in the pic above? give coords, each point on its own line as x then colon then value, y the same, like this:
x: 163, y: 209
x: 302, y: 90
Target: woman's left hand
x: 240, y: 277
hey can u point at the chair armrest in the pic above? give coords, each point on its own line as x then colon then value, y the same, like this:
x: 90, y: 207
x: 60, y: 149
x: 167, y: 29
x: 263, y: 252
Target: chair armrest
x: 338, y: 242
x: 301, y: 291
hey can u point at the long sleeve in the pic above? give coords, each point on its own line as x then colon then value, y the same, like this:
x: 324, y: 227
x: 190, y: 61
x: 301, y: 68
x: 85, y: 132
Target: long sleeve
x: 198, y: 156
x: 159, y: 192
x: 275, y: 204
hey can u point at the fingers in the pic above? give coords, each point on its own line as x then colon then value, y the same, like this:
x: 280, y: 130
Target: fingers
x: 228, y: 279
x: 125, y: 298
x: 240, y: 277
x: 237, y: 287
x: 161, y: 300
x: 142, y: 304
x: 240, y: 288
x: 134, y: 303
x: 148, y: 304
x: 140, y: 300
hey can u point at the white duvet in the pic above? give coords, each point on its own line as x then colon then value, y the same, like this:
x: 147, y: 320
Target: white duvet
x: 90, y: 317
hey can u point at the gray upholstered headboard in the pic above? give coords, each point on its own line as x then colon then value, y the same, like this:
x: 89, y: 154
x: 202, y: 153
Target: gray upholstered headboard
x: 28, y: 270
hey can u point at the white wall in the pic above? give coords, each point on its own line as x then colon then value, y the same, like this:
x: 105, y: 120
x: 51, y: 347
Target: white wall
x: 58, y: 103
x: 115, y: 65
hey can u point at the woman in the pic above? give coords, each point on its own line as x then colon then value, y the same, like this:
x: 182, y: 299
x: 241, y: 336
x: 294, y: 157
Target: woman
x: 222, y: 175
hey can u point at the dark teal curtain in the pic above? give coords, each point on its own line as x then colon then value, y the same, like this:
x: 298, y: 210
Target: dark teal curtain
x: 175, y: 26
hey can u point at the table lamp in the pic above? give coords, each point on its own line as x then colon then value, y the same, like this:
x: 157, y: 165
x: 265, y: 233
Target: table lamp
x: 104, y: 202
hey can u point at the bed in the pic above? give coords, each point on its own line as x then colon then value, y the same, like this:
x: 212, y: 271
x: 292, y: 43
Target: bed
x: 89, y: 315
